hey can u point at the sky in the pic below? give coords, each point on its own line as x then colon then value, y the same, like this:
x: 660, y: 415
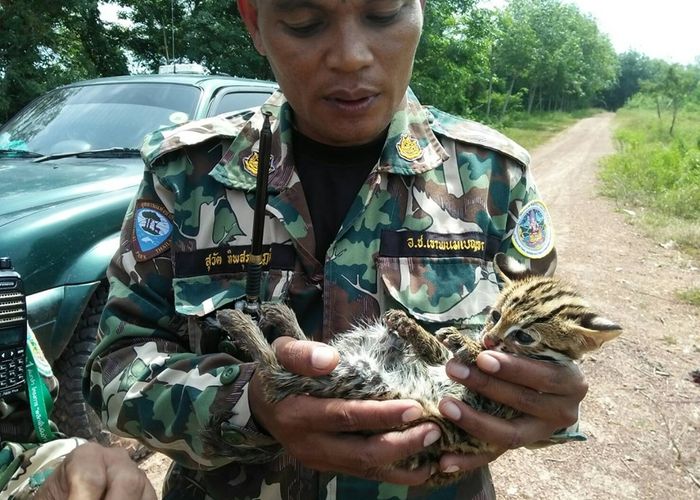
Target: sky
x: 665, y: 29
x: 660, y: 29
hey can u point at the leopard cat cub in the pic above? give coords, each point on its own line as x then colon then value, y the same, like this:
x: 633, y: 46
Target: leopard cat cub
x: 395, y: 358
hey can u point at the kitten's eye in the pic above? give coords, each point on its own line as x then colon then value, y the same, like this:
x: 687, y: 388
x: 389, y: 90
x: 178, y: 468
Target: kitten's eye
x: 522, y: 337
x: 495, y: 316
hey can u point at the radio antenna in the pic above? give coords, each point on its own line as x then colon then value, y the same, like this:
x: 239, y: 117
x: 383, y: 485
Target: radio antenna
x: 251, y: 305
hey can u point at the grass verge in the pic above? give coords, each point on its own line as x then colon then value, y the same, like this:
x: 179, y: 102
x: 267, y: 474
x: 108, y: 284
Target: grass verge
x: 656, y: 176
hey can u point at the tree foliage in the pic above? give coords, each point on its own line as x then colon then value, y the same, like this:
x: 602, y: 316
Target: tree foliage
x: 44, y: 44
x: 483, y: 63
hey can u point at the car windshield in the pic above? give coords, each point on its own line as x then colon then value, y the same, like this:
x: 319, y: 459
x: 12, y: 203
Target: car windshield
x: 90, y: 117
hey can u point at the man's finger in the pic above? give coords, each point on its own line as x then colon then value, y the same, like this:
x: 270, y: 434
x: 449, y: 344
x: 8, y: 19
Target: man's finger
x: 305, y: 357
x: 375, y: 457
x: 452, y: 463
x: 541, y: 376
x: 506, y: 434
x: 342, y: 415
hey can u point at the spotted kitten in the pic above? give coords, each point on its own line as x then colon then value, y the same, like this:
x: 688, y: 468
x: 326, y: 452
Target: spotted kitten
x: 395, y: 358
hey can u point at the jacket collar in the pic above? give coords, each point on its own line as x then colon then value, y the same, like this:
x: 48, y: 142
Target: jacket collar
x: 411, y: 146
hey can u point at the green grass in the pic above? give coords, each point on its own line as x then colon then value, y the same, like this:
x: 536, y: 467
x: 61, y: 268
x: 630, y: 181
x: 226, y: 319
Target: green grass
x: 656, y: 175
x: 532, y: 130
x: 691, y: 296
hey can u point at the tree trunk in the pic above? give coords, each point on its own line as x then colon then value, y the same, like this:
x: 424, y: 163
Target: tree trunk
x: 531, y: 100
x: 488, y: 99
x: 673, y: 121
x: 507, y: 99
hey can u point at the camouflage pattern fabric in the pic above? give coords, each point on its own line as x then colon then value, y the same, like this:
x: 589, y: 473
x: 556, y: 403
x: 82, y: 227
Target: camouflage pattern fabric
x: 444, y: 197
x: 25, y: 467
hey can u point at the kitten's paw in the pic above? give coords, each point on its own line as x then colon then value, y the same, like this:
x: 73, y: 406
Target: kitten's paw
x: 450, y: 338
x: 395, y: 318
x: 280, y: 318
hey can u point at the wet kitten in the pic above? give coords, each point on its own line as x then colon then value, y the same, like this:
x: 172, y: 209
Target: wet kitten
x: 396, y: 358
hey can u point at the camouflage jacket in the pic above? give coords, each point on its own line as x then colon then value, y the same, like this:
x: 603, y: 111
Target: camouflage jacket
x: 445, y: 195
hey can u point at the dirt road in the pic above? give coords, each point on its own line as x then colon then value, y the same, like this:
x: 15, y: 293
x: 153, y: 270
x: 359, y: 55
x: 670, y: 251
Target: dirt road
x: 642, y: 413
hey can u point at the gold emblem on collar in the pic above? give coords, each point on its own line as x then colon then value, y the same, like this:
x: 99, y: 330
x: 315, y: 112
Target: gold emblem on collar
x: 251, y: 163
x: 409, y: 148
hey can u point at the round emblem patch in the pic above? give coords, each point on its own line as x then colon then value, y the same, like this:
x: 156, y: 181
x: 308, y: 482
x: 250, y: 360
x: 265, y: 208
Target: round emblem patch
x: 152, y: 229
x: 533, y: 236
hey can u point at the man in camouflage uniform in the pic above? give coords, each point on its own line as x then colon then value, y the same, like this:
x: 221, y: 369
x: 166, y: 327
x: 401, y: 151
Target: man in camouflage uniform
x: 437, y: 198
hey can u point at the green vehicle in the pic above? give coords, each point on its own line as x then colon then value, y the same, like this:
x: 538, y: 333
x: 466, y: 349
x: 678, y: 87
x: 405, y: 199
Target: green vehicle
x: 69, y: 166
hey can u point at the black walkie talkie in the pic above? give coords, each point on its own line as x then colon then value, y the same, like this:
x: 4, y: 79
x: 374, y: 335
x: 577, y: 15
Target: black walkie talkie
x: 13, y: 329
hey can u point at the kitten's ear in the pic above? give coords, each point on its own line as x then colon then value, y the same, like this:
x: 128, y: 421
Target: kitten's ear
x: 509, y: 269
x: 597, y: 330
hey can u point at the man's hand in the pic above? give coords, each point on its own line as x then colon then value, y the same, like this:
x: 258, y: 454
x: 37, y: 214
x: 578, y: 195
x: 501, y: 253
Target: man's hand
x: 93, y: 472
x: 340, y: 435
x: 548, y: 395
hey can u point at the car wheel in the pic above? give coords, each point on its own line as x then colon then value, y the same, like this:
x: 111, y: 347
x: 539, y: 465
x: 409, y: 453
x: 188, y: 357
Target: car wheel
x: 71, y: 413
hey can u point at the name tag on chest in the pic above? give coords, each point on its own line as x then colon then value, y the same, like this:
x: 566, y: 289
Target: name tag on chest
x: 427, y: 244
x: 231, y: 260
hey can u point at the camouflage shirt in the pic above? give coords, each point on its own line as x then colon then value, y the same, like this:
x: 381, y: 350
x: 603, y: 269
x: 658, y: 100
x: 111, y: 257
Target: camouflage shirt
x: 444, y: 197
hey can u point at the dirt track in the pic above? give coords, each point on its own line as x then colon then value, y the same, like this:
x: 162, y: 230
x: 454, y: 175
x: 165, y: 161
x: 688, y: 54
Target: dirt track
x: 642, y: 413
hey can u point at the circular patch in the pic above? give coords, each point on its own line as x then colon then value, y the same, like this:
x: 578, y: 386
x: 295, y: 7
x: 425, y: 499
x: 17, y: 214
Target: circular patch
x: 533, y: 236
x: 152, y: 229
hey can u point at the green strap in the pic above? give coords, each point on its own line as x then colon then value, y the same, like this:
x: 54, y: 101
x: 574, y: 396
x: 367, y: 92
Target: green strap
x: 40, y: 402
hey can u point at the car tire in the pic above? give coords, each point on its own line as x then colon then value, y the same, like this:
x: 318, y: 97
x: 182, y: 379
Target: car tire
x: 71, y: 413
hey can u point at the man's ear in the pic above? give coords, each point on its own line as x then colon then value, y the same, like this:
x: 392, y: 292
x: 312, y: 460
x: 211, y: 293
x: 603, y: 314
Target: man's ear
x: 249, y: 13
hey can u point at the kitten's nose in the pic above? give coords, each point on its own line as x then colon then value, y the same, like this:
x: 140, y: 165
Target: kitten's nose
x: 489, y: 343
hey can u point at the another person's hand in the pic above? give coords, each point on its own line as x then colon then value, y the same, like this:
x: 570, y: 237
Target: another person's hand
x: 338, y: 435
x: 93, y: 472
x: 547, y: 394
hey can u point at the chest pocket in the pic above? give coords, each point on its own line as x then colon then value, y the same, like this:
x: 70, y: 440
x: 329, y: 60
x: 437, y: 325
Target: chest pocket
x: 206, y: 280
x: 439, y: 278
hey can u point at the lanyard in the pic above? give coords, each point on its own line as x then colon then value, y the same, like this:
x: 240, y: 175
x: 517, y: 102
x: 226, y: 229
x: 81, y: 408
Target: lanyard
x: 40, y: 402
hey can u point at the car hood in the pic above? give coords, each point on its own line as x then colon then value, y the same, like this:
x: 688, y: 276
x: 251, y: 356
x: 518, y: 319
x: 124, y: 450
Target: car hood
x: 27, y: 187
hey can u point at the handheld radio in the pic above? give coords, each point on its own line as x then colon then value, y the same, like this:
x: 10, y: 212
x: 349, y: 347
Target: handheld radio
x: 13, y: 330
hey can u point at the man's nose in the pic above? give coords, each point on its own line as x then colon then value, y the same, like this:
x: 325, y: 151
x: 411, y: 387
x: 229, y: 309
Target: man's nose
x: 350, y: 51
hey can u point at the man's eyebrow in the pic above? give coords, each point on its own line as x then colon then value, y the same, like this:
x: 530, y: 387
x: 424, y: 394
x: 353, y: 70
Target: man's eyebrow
x: 286, y: 5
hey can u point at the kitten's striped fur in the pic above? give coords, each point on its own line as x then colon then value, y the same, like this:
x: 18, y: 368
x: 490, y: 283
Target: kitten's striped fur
x: 396, y: 358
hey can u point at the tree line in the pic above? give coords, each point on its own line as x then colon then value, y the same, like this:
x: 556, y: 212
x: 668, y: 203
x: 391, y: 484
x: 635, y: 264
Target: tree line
x: 531, y: 55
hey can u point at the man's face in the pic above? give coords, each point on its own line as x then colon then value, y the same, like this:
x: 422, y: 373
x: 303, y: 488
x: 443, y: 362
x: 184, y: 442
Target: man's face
x: 343, y: 65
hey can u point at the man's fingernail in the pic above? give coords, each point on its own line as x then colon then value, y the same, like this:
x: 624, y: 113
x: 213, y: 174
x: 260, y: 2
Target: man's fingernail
x: 322, y: 357
x: 433, y: 469
x: 431, y: 437
x: 488, y: 363
x: 450, y: 469
x: 411, y: 414
x: 458, y: 371
x: 451, y: 410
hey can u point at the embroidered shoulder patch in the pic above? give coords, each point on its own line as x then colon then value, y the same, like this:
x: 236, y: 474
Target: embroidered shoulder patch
x: 409, y: 148
x: 534, y: 236
x: 152, y: 230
